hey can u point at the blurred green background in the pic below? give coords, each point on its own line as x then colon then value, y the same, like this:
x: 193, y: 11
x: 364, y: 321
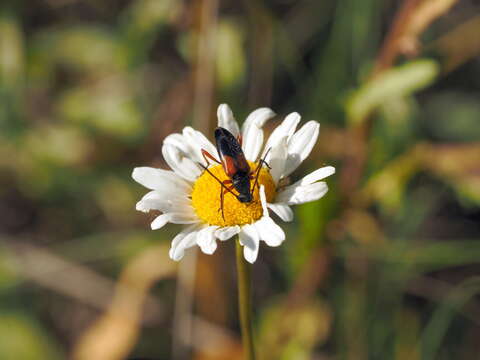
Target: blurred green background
x: 386, y: 266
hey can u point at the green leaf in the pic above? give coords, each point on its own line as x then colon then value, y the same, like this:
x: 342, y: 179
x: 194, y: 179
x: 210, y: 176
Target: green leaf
x: 398, y: 82
x: 23, y: 338
x: 439, y: 323
x: 11, y: 52
x: 230, y: 53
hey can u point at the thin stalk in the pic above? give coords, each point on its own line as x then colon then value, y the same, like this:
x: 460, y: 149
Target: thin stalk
x: 245, y: 302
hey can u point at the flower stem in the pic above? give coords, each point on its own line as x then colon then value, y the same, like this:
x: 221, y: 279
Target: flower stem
x: 245, y: 302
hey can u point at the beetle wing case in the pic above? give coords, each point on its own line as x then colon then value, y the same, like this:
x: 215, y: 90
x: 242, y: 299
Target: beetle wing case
x: 230, y: 152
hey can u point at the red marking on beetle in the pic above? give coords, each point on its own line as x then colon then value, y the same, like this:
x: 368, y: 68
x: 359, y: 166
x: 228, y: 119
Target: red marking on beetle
x: 229, y: 165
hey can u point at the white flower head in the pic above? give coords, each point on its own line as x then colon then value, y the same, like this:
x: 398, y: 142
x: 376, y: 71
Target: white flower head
x: 188, y: 194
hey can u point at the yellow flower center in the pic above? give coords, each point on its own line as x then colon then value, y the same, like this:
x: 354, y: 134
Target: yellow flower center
x: 207, y: 204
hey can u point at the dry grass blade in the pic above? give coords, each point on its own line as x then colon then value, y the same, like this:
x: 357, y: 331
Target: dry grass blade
x: 113, y: 336
x: 411, y: 20
x: 460, y: 45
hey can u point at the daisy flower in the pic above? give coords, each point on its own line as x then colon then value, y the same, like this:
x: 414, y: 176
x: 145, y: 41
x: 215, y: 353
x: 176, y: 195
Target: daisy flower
x: 188, y: 194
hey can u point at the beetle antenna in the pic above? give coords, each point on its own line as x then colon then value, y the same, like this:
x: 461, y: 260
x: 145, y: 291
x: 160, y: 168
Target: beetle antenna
x: 259, y: 167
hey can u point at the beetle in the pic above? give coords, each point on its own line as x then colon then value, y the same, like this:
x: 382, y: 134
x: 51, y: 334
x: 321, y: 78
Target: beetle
x: 235, y: 165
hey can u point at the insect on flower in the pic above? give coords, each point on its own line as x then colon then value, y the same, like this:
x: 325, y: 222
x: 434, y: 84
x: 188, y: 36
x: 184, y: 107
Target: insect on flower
x: 250, y: 189
x: 235, y: 166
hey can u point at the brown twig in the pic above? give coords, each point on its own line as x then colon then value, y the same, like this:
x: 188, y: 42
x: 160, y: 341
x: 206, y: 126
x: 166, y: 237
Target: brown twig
x: 411, y: 20
x: 205, y: 66
x: 390, y: 47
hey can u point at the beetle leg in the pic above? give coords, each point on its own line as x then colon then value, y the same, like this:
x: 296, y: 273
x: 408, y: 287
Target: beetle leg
x: 219, y: 181
x: 230, y: 188
x: 262, y: 161
x: 206, y: 155
x: 222, y: 195
x: 265, y: 163
x: 239, y: 139
x: 223, y: 192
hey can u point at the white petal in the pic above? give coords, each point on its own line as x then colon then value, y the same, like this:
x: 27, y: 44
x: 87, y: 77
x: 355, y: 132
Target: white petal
x: 286, y: 128
x: 250, y: 240
x: 206, y: 239
x: 186, y: 147
x: 174, y: 196
x: 226, y: 233
x: 277, y: 158
x: 266, y: 228
x: 269, y: 231
x: 299, y: 194
x: 317, y: 175
x: 159, y: 179
x: 155, y: 200
x: 263, y: 200
x: 300, y: 145
x: 180, y: 163
x: 153, y: 204
x: 183, y: 217
x: 197, y: 141
x: 253, y: 134
x: 186, y: 210
x: 227, y: 120
x: 283, y: 211
x: 184, y: 240
x: 178, y: 141
x: 309, y: 179
x: 160, y: 221
x: 175, y: 218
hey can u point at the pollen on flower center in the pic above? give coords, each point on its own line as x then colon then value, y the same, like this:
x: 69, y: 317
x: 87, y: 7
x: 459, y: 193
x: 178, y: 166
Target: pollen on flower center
x: 206, y: 198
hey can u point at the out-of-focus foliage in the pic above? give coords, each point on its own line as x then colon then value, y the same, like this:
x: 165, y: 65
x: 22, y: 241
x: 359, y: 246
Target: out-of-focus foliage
x: 392, y: 84
x: 384, y: 267
x: 23, y: 338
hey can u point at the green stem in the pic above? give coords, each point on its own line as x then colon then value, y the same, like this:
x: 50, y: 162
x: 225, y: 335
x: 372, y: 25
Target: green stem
x: 245, y: 302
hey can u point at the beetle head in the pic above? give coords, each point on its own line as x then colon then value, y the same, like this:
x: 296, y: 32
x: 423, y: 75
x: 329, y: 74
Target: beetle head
x: 241, y: 182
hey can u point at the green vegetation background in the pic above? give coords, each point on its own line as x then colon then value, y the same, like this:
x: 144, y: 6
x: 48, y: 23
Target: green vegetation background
x: 386, y: 266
